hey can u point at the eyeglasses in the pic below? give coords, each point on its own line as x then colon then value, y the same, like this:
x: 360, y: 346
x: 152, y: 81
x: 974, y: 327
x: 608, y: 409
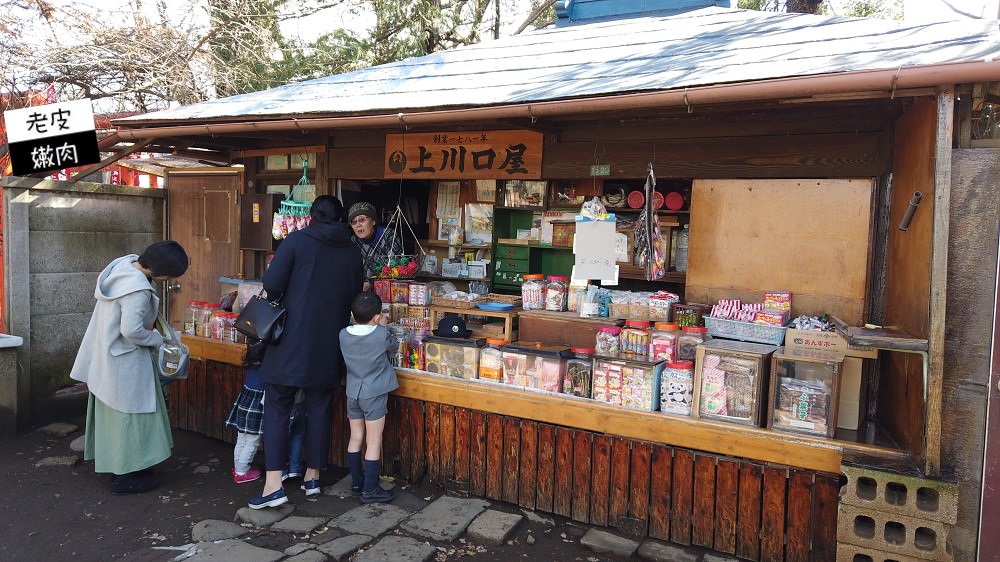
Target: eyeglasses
x: 361, y: 220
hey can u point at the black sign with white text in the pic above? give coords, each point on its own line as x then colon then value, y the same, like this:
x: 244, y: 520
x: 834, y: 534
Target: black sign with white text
x: 54, y: 153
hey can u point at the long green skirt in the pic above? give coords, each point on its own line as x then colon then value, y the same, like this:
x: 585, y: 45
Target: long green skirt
x: 120, y: 443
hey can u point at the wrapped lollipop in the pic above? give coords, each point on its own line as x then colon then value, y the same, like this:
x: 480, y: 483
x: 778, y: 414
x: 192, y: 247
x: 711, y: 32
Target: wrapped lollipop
x: 277, y: 232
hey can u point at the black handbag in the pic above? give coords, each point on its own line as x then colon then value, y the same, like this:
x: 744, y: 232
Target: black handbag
x: 262, y: 319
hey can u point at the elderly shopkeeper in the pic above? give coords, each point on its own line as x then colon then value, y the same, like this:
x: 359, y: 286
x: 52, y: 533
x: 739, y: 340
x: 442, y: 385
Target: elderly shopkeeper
x: 367, y: 232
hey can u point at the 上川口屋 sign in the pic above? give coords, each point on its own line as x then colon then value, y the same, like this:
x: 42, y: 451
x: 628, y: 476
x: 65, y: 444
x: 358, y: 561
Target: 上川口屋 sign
x: 515, y: 154
x: 51, y: 137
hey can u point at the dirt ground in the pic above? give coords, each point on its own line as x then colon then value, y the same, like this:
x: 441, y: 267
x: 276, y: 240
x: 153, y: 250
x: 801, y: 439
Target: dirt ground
x: 66, y: 512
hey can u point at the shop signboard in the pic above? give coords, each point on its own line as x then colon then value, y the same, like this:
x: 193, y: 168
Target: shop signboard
x: 514, y: 154
x: 52, y: 137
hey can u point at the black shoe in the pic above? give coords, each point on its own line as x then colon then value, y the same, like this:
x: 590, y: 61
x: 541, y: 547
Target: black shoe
x: 378, y: 495
x: 131, y: 483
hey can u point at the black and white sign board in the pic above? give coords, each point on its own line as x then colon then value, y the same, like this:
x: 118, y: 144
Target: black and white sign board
x: 51, y: 137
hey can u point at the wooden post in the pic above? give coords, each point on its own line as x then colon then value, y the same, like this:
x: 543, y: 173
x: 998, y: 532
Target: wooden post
x: 939, y: 280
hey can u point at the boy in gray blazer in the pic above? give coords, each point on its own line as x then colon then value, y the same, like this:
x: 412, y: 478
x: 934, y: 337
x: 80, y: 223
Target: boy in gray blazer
x: 370, y: 379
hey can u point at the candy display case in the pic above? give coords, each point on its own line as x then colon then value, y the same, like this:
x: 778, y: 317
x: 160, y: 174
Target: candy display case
x: 455, y: 357
x: 805, y: 385
x: 731, y: 381
x: 628, y: 380
x: 534, y: 366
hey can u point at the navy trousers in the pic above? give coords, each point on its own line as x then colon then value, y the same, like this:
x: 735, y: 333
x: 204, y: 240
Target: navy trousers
x: 278, y: 402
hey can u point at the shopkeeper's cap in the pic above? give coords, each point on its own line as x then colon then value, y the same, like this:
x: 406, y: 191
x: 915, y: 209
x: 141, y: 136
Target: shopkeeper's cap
x: 452, y: 327
x: 361, y: 208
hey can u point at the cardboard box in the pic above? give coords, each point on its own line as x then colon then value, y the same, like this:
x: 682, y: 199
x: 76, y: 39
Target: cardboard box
x: 826, y: 341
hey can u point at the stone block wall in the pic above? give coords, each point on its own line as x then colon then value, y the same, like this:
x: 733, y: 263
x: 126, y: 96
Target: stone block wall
x: 58, y: 236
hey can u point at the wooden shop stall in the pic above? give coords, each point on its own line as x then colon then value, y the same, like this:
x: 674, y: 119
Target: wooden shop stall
x: 801, y: 186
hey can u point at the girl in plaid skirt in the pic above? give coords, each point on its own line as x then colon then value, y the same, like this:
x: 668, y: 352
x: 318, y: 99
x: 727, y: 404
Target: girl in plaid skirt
x: 247, y: 417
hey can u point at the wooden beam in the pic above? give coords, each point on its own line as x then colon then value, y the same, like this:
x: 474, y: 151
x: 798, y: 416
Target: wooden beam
x: 939, y: 280
x: 109, y: 161
x: 312, y: 149
x: 738, y: 441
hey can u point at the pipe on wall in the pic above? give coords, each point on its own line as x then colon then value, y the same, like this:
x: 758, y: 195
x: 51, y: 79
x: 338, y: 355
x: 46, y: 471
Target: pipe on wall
x: 887, y: 80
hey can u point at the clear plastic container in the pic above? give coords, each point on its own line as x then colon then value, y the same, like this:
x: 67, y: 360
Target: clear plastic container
x: 677, y: 388
x: 556, y: 293
x: 491, y: 360
x: 691, y: 337
x: 607, y: 339
x: 204, y: 326
x: 579, y: 372
x: 218, y: 324
x: 191, y: 317
x: 533, y: 292
x: 635, y: 337
x: 663, y: 341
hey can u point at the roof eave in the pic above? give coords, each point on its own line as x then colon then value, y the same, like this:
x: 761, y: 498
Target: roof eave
x: 888, y: 80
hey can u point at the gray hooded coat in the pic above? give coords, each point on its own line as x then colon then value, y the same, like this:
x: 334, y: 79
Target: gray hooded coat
x: 114, y: 357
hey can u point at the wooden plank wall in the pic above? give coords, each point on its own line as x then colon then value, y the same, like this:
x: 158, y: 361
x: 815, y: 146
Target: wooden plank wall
x: 746, y: 509
x: 737, y: 507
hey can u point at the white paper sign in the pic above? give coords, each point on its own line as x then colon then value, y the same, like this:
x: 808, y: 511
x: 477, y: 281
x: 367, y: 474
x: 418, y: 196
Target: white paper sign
x: 595, y: 250
x: 621, y: 247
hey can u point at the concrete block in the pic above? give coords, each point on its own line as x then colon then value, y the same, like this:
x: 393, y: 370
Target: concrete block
x: 893, y: 533
x: 211, y: 530
x: 62, y: 211
x: 372, y: 519
x: 392, y: 548
x: 854, y: 553
x: 607, y: 543
x: 898, y: 494
x: 446, y: 518
x: 231, y: 549
x: 63, y: 293
x: 663, y: 552
x: 264, y: 517
x: 299, y: 524
x: 299, y: 548
x: 343, y: 547
x: 493, y: 527
x: 62, y: 252
x: 308, y: 556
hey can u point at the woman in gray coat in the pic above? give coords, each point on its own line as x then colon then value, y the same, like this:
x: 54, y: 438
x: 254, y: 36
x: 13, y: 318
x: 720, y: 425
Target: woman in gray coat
x: 127, y: 430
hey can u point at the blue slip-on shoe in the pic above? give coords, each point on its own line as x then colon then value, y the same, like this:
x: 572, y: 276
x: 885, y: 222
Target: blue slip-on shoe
x: 273, y: 499
x: 311, y: 487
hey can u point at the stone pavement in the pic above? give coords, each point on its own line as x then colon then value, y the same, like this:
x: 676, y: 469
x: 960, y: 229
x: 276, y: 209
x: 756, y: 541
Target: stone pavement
x: 337, y: 526
x: 421, y: 524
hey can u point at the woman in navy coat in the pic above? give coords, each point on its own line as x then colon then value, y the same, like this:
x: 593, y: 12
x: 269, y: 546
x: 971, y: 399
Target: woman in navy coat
x: 316, y: 271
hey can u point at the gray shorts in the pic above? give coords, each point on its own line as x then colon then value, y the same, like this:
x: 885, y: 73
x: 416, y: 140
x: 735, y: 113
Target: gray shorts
x: 369, y: 409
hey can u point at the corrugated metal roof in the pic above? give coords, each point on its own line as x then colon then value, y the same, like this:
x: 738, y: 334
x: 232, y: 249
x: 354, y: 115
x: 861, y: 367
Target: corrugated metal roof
x: 660, y: 51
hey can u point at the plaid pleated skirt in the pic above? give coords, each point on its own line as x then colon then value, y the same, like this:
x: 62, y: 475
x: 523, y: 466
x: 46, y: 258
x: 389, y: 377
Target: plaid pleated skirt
x: 247, y: 415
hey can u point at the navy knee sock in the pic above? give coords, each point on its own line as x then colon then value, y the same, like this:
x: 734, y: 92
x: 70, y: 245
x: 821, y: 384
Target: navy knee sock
x: 371, y: 475
x: 354, y: 465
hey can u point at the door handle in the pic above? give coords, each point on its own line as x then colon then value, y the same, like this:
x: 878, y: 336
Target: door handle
x: 175, y: 286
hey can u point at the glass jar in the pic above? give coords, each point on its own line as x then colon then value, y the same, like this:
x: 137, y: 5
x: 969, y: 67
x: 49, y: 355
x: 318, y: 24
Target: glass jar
x: 677, y: 387
x: 635, y: 337
x: 689, y: 340
x: 556, y: 293
x: 533, y: 292
x: 191, y: 317
x: 606, y: 341
x: 579, y: 372
x: 663, y: 341
x: 491, y: 360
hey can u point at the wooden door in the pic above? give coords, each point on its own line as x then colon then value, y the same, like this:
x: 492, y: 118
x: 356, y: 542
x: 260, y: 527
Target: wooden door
x: 203, y: 216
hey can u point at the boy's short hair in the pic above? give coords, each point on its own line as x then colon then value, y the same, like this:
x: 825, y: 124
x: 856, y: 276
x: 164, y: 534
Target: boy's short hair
x: 365, y: 306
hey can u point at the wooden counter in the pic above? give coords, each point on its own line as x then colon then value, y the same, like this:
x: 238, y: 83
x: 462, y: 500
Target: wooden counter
x: 215, y: 350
